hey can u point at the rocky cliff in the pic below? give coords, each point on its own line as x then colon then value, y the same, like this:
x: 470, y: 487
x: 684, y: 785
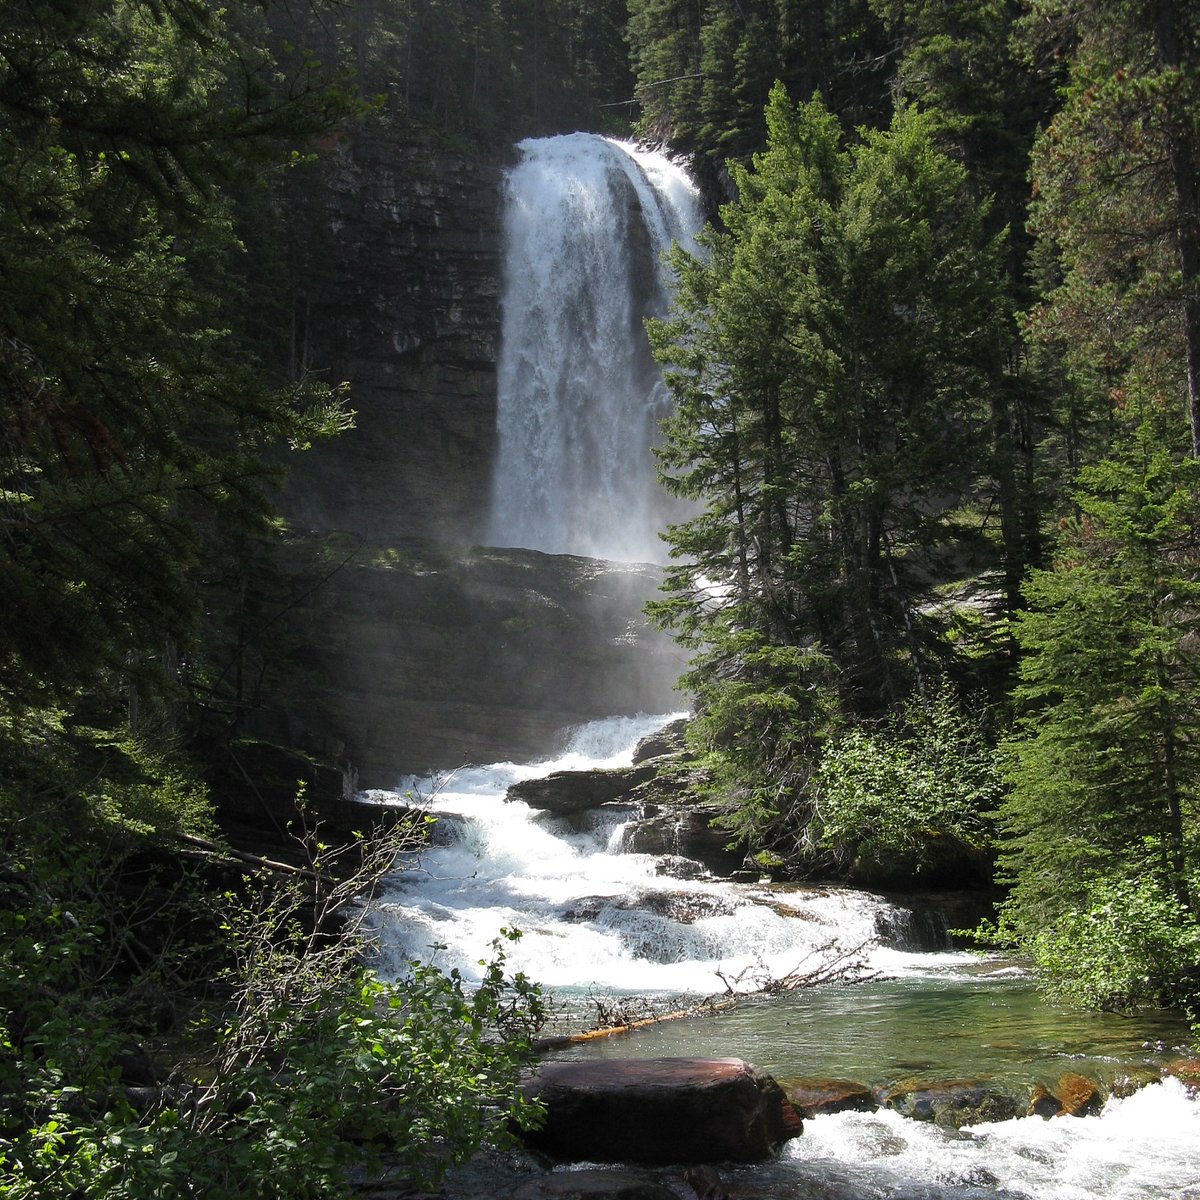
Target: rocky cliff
x: 406, y: 660
x: 400, y: 297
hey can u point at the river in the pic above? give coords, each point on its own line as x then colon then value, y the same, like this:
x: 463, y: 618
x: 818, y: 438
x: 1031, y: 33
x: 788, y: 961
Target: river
x: 601, y: 927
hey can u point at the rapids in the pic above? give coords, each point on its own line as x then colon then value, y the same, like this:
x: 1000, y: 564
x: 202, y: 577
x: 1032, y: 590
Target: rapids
x: 602, y: 925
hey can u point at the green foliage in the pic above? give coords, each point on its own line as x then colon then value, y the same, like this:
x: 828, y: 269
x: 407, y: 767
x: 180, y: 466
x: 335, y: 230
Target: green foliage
x: 1104, y: 770
x: 1128, y: 944
x: 132, y: 423
x: 921, y: 791
x: 1116, y: 177
x: 300, y: 1066
x: 831, y: 449
x: 704, y: 70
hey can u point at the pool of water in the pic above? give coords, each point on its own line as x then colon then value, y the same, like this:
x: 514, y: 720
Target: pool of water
x: 954, y: 1020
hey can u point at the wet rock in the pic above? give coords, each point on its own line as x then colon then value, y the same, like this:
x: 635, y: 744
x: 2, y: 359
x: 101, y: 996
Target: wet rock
x: 950, y: 1103
x: 1078, y: 1095
x: 668, y: 1110
x: 1043, y: 1103
x: 668, y: 740
x: 596, y: 1185
x: 687, y: 833
x: 1187, y: 1071
x: 415, y: 657
x: 813, y: 1096
x: 676, y: 866
x: 1125, y: 1082
x: 684, y: 907
x: 568, y: 792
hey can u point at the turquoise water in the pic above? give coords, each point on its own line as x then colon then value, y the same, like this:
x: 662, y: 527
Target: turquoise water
x: 951, y: 1021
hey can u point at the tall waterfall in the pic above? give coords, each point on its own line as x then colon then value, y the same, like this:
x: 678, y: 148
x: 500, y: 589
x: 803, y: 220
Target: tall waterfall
x: 587, y: 220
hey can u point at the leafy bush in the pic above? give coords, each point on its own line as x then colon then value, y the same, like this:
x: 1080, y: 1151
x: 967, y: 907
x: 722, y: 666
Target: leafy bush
x: 283, y: 1065
x: 917, y: 790
x: 1131, y: 943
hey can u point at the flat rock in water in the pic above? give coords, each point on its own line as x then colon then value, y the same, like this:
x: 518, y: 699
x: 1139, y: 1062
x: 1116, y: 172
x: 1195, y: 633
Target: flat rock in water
x: 569, y: 792
x: 951, y: 1103
x: 813, y: 1096
x: 663, y: 1110
x: 595, y: 1185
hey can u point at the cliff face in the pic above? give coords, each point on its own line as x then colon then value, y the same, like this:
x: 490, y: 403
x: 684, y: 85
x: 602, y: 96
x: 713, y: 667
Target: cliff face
x: 427, y: 655
x: 400, y: 297
x: 424, y: 658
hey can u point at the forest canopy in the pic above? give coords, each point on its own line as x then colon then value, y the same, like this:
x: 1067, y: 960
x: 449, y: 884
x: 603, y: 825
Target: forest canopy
x: 937, y: 383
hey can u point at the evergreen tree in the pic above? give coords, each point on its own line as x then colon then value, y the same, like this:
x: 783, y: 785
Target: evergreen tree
x: 130, y: 423
x: 1117, y: 211
x: 830, y: 360
x: 961, y: 61
x: 1104, y: 767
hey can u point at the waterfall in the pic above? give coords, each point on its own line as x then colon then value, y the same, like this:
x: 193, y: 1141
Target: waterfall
x: 587, y: 220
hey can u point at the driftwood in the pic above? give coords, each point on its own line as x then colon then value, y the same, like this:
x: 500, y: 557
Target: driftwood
x: 845, y: 966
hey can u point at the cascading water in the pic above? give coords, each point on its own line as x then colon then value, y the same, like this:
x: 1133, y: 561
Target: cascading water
x: 579, y: 397
x: 597, y: 919
x: 587, y: 220
x: 599, y: 923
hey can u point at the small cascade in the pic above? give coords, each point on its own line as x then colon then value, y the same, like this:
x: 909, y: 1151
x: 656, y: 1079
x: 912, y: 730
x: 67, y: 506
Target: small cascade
x: 605, y: 932
x: 594, y: 917
x: 587, y: 220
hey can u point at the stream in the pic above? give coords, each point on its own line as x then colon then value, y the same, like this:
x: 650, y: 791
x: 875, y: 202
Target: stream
x: 605, y: 928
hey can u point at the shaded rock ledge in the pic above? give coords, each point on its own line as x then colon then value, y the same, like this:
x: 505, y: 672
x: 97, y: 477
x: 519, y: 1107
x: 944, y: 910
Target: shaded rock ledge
x: 663, y: 1110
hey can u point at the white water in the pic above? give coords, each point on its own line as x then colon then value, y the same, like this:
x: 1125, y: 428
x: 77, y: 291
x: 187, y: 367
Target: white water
x: 587, y: 220
x: 592, y: 927
x: 1143, y: 1147
x: 595, y: 919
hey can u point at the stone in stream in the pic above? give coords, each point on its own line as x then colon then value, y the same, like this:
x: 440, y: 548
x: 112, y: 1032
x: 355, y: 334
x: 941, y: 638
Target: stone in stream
x: 663, y: 1110
x: 565, y: 793
x: 1043, y: 1103
x: 813, y: 1096
x: 1078, y: 1095
x: 606, y: 1184
x: 950, y: 1103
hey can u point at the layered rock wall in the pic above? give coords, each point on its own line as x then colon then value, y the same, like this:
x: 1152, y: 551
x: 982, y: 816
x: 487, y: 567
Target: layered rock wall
x: 406, y: 660
x: 400, y: 298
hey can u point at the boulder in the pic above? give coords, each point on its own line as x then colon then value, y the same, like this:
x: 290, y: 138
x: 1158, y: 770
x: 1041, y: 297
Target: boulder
x: 675, y: 866
x: 664, y: 1110
x: 1078, y: 1095
x: 667, y: 740
x: 1043, y: 1103
x: 565, y: 793
x: 950, y: 1103
x: 598, y: 1185
x: 813, y: 1096
x: 684, y: 833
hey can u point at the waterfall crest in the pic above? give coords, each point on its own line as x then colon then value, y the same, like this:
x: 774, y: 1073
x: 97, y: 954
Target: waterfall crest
x: 587, y: 220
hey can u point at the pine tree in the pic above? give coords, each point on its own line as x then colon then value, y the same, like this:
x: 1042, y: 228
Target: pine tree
x: 830, y: 361
x: 1104, y: 767
x: 130, y: 423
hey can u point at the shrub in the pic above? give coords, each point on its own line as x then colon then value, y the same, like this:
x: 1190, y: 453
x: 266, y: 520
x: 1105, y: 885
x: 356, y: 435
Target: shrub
x: 1130, y: 943
x: 917, y: 790
x: 298, y: 1066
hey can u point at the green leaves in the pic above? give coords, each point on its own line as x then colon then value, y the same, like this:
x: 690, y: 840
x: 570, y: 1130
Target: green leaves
x: 1104, y: 767
x: 918, y: 795
x: 831, y: 362
x: 132, y: 423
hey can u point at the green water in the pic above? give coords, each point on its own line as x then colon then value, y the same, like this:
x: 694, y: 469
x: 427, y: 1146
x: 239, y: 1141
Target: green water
x: 977, y: 1021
